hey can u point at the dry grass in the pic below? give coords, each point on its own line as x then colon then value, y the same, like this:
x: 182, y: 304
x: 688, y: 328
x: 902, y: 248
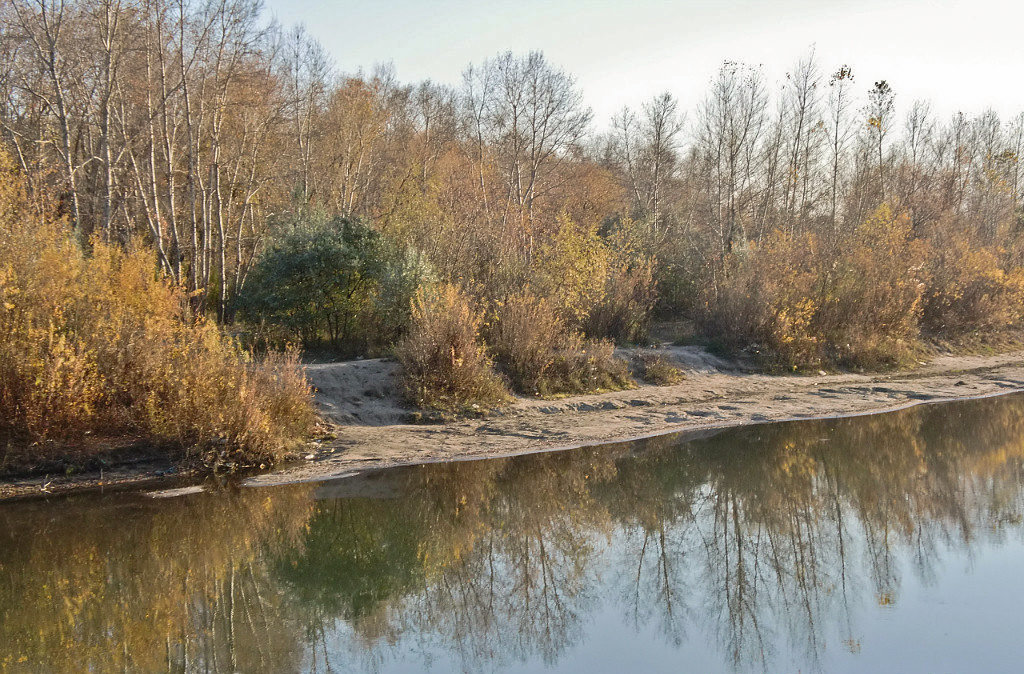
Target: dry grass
x: 655, y: 369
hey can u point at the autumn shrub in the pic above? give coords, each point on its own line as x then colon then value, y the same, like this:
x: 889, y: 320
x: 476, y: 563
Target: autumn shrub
x: 523, y: 336
x: 444, y: 364
x: 102, y: 345
x: 871, y: 308
x: 601, y: 285
x: 762, y: 301
x: 571, y: 270
x: 970, y: 290
x: 586, y: 366
x: 624, y: 312
x: 541, y: 355
x: 802, y: 302
x: 680, y: 276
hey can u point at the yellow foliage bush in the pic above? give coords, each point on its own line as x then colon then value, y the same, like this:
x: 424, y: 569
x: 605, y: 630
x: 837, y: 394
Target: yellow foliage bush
x: 571, y: 270
x: 604, y: 287
x: 872, y: 305
x: 102, y: 345
x: 803, y: 303
x: 970, y: 289
x: 444, y: 364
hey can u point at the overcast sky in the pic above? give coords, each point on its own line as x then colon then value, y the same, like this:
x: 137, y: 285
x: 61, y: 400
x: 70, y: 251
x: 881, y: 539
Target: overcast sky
x: 961, y: 55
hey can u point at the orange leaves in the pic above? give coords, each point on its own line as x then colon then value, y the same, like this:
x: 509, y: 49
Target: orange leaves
x: 102, y: 344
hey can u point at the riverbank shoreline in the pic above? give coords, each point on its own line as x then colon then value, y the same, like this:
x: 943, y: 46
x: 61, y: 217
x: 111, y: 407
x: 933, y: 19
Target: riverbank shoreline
x: 359, y: 400
x: 714, y: 395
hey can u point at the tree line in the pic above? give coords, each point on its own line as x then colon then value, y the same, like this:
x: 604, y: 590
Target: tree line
x: 215, y: 136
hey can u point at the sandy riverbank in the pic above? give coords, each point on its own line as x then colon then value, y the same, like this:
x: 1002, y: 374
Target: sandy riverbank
x: 360, y: 400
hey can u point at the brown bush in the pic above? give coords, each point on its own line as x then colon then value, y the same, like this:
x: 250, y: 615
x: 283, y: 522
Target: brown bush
x: 585, y: 366
x: 624, y: 313
x: 541, y: 356
x: 103, y: 345
x: 523, y: 336
x: 764, y: 300
x: 444, y: 365
x: 872, y: 304
x: 803, y: 303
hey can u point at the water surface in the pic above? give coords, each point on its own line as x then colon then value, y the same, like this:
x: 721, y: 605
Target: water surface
x: 889, y: 543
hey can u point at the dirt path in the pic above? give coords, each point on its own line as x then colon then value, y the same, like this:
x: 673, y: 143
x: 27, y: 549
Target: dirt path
x: 360, y: 398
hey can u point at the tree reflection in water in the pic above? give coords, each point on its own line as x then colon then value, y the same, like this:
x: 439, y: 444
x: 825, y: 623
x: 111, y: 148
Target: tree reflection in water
x: 137, y: 584
x: 757, y: 540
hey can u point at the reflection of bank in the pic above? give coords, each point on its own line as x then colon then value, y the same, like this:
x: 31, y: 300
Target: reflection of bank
x: 487, y: 557
x: 765, y: 540
x: 128, y: 583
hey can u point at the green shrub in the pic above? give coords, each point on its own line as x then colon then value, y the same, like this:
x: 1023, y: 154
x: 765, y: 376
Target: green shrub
x: 336, y: 282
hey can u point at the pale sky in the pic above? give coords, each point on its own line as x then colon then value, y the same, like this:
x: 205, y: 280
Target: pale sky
x: 961, y: 55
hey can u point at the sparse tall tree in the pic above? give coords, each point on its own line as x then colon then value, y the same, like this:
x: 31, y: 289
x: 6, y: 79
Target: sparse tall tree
x: 731, y: 122
x: 647, y: 150
x: 880, y: 112
x: 840, y: 132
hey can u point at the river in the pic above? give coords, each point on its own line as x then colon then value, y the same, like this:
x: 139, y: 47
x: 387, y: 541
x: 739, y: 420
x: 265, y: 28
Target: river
x: 885, y: 543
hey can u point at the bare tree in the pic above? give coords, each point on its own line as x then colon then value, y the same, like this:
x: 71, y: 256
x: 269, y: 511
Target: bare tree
x: 535, y: 114
x: 839, y: 133
x: 46, y: 28
x: 801, y: 99
x: 307, y: 75
x: 731, y: 122
x: 647, y: 152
